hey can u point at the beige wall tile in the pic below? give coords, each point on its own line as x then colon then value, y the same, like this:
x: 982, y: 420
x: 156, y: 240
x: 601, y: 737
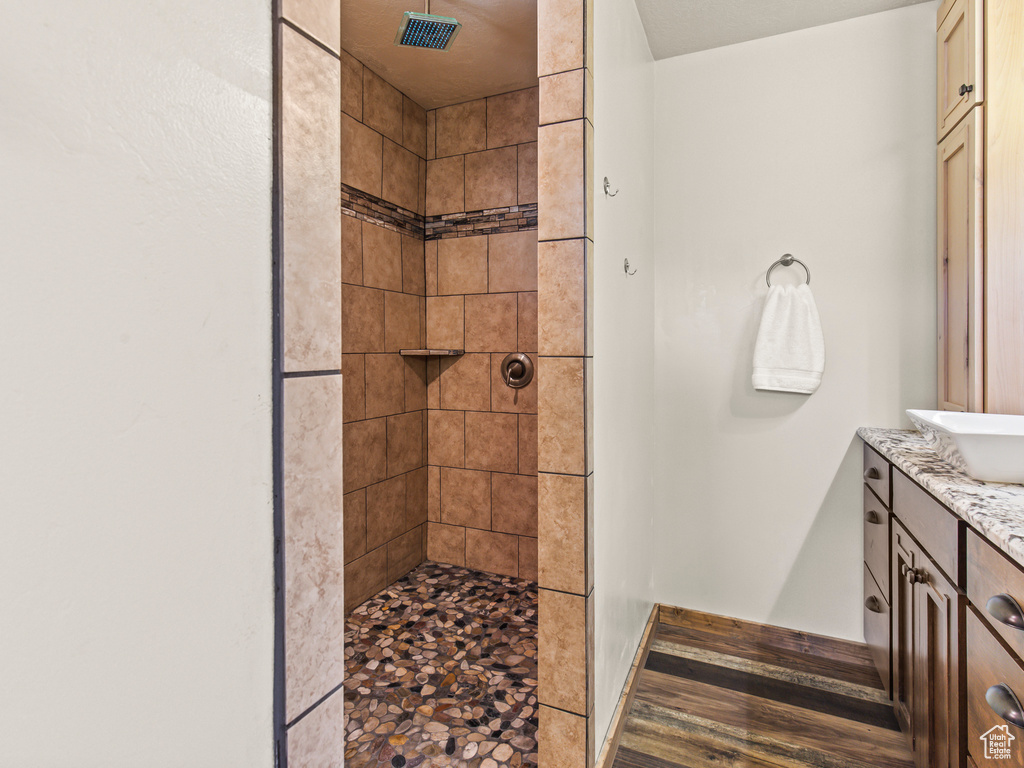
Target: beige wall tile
x: 562, y: 739
x: 382, y: 257
x: 492, y: 552
x: 446, y: 323
x: 465, y: 383
x: 404, y: 553
x: 402, y: 322
x: 527, y: 173
x: 413, y: 276
x: 314, y: 537
x: 446, y: 433
x: 421, y: 203
x: 365, y: 456
x: 312, y: 205
x: 430, y: 266
x: 560, y: 426
x: 461, y: 128
x: 434, y: 494
x: 401, y: 180
x: 416, y: 490
x: 354, y: 372
x: 514, y: 506
x: 433, y: 383
x: 562, y: 651
x: 512, y: 118
x: 385, y: 385
x: 527, y: 558
x: 351, y: 250
x: 385, y: 511
x: 562, y: 562
x: 405, y: 444
x: 351, y: 86
x: 361, y: 156
x: 560, y: 39
x: 362, y: 319
x: 512, y: 262
x: 414, y: 127
x: 492, y: 179
x: 354, y: 513
x: 466, y: 498
x: 462, y: 265
x: 382, y: 106
x: 446, y: 185
x: 504, y: 399
x: 431, y: 134
x: 492, y: 441
x: 562, y: 301
x: 319, y: 18
x: 562, y: 96
x: 527, y: 444
x: 491, y: 322
x: 561, y: 198
x: 366, y: 577
x: 415, y: 384
x: 528, y: 341
x: 446, y: 544
x: 588, y: 179
x: 318, y: 739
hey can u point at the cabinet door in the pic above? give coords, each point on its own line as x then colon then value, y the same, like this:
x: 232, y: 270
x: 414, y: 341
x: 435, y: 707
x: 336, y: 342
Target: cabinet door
x: 960, y: 267
x: 938, y: 675
x: 902, y: 561
x: 960, y: 53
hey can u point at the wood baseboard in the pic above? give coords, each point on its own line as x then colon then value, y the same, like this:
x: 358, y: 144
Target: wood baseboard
x: 611, y: 744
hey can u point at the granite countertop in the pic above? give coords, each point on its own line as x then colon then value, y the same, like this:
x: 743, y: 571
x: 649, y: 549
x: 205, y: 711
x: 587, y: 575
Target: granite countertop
x: 996, y: 510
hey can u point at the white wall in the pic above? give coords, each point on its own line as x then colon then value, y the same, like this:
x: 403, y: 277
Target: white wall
x: 624, y: 353
x: 820, y: 143
x: 135, y: 448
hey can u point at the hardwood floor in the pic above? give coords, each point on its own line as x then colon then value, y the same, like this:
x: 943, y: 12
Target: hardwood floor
x: 722, y: 693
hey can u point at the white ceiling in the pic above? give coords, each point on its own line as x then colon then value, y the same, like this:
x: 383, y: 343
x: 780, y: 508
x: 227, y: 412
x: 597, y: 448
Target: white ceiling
x: 495, y: 51
x: 675, y: 27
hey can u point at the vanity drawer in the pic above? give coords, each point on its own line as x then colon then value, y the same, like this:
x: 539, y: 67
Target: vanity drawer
x: 991, y: 573
x: 935, y: 527
x: 877, y: 474
x: 988, y: 664
x: 876, y: 540
x: 877, y: 628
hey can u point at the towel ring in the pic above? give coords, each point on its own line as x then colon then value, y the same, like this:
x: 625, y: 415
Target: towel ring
x: 786, y: 261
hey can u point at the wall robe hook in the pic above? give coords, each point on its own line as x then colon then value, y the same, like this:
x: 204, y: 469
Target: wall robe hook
x: 625, y: 268
x: 608, y: 188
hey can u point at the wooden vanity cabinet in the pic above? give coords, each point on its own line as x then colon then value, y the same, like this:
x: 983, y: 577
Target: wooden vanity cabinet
x: 960, y: 61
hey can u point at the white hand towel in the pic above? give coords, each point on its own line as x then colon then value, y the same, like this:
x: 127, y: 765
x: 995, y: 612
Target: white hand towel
x: 790, y: 352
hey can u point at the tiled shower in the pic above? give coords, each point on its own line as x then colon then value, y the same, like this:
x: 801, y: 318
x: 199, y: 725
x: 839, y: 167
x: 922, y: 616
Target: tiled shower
x: 435, y: 235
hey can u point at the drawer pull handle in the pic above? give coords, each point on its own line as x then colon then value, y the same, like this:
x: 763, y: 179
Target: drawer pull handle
x: 1005, y: 704
x: 872, y: 474
x: 872, y: 517
x: 1006, y: 610
x: 872, y: 604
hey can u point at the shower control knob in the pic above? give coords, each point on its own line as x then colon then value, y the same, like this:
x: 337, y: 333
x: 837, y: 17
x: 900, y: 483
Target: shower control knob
x: 517, y: 370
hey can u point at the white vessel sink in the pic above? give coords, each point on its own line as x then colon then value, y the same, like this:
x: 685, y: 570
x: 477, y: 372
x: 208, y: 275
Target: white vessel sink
x: 986, y: 446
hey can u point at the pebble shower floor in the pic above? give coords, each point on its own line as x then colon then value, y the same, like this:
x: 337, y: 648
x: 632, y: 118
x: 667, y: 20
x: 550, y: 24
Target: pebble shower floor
x: 441, y: 670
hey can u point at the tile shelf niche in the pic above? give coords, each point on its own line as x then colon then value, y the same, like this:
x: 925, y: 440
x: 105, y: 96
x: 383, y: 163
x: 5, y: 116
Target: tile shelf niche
x: 431, y: 352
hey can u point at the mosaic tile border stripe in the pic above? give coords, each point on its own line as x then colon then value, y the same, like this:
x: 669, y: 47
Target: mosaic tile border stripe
x: 513, y: 218
x: 370, y: 208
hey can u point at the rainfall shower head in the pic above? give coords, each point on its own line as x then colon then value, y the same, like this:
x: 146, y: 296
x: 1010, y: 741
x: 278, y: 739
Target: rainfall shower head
x: 426, y: 30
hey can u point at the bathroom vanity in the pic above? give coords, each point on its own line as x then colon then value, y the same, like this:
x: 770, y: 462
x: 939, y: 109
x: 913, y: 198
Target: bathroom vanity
x: 943, y: 584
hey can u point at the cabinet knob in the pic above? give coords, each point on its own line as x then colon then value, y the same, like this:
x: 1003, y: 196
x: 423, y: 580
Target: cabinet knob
x: 872, y: 517
x: 913, y: 575
x: 965, y: 89
x: 1006, y: 610
x: 872, y: 604
x: 1005, y: 703
x: 872, y: 474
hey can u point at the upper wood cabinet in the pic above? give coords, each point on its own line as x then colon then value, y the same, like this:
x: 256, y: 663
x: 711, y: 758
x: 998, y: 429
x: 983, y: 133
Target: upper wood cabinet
x: 960, y: 52
x: 980, y: 206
